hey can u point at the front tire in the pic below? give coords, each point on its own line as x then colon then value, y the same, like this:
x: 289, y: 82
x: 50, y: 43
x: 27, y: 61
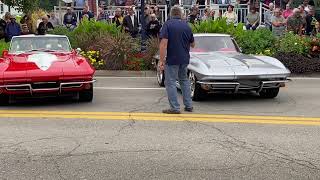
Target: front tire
x: 86, y: 95
x: 4, y: 100
x: 160, y: 76
x: 197, y: 93
x: 269, y: 93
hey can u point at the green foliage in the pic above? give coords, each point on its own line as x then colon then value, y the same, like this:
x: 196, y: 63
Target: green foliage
x: 25, y: 6
x: 94, y: 59
x: 61, y: 30
x: 116, y: 49
x: 89, y: 32
x: 217, y: 26
x: 256, y: 42
x: 3, y: 46
x: 48, y: 4
x: 292, y: 43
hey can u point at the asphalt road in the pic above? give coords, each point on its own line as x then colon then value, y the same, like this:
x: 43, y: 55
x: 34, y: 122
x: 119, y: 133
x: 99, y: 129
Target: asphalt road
x: 122, y: 135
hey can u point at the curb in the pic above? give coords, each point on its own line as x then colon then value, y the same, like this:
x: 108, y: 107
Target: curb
x: 121, y: 73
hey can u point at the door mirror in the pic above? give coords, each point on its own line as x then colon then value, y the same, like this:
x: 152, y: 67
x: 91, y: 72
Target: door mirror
x: 78, y: 50
x: 5, y: 53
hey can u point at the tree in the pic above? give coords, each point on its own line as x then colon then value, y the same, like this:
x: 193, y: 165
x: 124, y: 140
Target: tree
x: 48, y: 4
x: 25, y: 6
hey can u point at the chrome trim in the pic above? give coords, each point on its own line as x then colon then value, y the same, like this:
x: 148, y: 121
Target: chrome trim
x: 270, y: 82
x: 31, y: 90
x: 18, y: 85
x: 237, y: 85
x: 70, y: 83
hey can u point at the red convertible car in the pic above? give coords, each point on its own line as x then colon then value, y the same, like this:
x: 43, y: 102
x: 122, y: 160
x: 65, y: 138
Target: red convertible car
x: 44, y: 66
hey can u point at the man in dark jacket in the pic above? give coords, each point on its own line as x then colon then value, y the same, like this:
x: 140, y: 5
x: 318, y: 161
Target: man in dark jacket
x: 70, y: 19
x: 12, y: 29
x: 131, y: 24
x: 44, y: 26
x: 310, y: 21
x: 86, y: 12
x: 153, y: 28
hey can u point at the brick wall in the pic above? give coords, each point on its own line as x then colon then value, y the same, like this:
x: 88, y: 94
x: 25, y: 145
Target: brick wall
x: 93, y: 6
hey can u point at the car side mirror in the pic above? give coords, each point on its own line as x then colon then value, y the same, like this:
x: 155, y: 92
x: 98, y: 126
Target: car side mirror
x: 78, y: 50
x: 5, y: 53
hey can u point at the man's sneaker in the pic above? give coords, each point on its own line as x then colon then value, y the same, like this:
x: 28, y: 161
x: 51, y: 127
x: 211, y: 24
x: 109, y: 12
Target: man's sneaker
x: 188, y: 109
x: 171, y: 111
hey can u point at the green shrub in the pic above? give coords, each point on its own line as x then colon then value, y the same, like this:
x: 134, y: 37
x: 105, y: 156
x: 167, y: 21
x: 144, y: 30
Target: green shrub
x: 3, y: 46
x: 116, y: 49
x: 292, y: 43
x: 88, y: 32
x: 61, y: 30
x: 217, y: 26
x: 260, y: 41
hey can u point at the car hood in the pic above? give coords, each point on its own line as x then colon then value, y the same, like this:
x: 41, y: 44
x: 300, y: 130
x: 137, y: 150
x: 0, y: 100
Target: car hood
x: 227, y: 63
x: 41, y: 66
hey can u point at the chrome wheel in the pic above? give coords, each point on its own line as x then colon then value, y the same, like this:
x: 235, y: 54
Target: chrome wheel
x: 160, y: 76
x: 192, y: 79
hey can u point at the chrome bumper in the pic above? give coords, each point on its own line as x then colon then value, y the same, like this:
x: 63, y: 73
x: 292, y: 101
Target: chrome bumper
x: 28, y: 87
x: 236, y: 86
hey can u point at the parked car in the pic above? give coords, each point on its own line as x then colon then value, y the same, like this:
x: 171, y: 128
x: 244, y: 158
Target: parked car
x: 217, y: 65
x: 41, y: 66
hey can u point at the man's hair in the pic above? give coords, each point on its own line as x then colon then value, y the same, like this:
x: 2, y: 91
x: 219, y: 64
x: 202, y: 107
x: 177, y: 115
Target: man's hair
x: 176, y: 11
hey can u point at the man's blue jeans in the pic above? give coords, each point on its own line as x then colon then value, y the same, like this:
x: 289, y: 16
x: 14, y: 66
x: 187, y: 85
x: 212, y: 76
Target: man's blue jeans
x: 180, y: 73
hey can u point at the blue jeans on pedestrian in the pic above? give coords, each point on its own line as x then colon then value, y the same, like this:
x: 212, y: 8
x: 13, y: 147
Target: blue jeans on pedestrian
x: 180, y: 73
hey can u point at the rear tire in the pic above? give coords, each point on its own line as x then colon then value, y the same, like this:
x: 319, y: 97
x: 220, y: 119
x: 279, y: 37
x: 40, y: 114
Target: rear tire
x: 4, y: 100
x: 86, y: 95
x: 197, y: 93
x: 160, y: 76
x: 269, y: 93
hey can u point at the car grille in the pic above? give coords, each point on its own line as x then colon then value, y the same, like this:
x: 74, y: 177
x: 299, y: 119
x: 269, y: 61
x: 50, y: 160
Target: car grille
x: 45, y: 85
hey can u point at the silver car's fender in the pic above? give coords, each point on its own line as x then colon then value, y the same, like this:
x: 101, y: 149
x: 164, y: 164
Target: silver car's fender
x: 271, y: 60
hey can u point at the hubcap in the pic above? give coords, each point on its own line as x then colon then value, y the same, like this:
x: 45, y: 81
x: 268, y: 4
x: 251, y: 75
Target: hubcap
x: 192, y: 83
x: 159, y: 75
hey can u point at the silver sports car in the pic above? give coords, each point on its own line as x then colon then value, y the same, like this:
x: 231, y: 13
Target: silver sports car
x: 217, y: 65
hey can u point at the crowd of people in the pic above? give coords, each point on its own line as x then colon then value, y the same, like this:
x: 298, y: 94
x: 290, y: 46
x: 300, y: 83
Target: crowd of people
x: 9, y: 26
x: 300, y: 20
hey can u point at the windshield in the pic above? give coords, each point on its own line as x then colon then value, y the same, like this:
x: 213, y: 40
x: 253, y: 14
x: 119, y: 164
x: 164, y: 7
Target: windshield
x: 213, y: 43
x: 27, y: 44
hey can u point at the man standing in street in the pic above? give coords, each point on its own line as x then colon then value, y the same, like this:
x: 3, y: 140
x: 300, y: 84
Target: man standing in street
x: 176, y: 38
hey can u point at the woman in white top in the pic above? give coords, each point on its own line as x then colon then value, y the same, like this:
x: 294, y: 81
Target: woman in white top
x: 230, y: 15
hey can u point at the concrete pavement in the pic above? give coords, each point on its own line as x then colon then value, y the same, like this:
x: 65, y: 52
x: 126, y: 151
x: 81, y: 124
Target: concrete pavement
x: 56, y: 139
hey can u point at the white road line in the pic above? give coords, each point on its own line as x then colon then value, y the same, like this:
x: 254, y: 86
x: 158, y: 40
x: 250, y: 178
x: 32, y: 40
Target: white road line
x: 137, y: 77
x: 111, y: 77
x: 126, y: 88
x: 304, y: 78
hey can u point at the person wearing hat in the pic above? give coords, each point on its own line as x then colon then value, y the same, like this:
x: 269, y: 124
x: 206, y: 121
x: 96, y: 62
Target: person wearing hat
x: 12, y: 29
x: 70, y: 19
